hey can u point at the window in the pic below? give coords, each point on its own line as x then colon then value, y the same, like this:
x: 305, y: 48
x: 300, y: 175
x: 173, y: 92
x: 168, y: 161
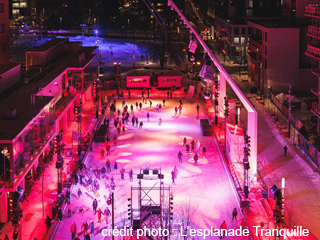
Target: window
x: 243, y: 31
x: 3, y: 48
x: 265, y: 63
x: 243, y: 39
x: 1, y: 7
x: 236, y: 31
x: 249, y: 30
x: 266, y: 37
x: 1, y: 28
x: 236, y: 40
x: 265, y: 50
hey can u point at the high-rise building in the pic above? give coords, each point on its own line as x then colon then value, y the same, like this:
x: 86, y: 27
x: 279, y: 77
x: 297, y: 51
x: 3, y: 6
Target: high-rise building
x: 4, y: 32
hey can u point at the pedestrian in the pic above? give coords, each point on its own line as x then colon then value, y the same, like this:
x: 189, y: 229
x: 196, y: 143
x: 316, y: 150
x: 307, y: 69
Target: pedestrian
x: 140, y: 106
x: 115, y: 140
x: 108, y: 149
x: 164, y: 102
x: 15, y: 235
x: 69, y: 210
x: 87, y: 236
x: 204, y: 150
x: 76, y: 179
x: 68, y: 196
x: 234, y: 214
x: 123, y: 103
x: 171, y: 94
x: 115, y: 167
x: 187, y: 148
x: 123, y: 129
x: 118, y: 130
x: 160, y: 121
x: 107, y: 213
x: 131, y: 175
x: 184, y: 141
x: 192, y: 145
x: 133, y: 121
x: 81, y: 211
x: 140, y: 125
x: 198, y: 108
x: 148, y: 117
x: 102, y: 152
x: 285, y: 148
x: 180, y: 156
x: 180, y: 102
x: 84, y: 228
x: 118, y: 112
x: 148, y: 94
x: 150, y: 103
x: 160, y: 107
x: 172, y: 176
x: 79, y: 193
x: 198, y: 145
x: 180, y: 108
x: 129, y: 94
x: 103, y: 172
x: 122, y: 171
x: 60, y: 214
x: 223, y: 228
x: 175, y: 170
x: 168, y: 94
x: 157, y: 107
x: 176, y: 110
x: 137, y: 105
x: 131, y: 107
x: 99, y: 215
x: 91, y: 227
x: 108, y: 165
x: 243, y: 224
x: 48, y: 224
x: 73, y: 230
x: 195, y: 158
x: 94, y: 205
x: 137, y: 121
x: 6, y: 237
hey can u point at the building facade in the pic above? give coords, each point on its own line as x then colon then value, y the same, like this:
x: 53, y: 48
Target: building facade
x: 4, y: 32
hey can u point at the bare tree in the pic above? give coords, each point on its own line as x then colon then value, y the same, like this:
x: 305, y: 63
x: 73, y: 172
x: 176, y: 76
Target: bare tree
x: 186, y: 217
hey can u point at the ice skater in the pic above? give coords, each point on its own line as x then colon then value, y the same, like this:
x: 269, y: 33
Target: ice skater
x: 102, y: 153
x: 164, y: 102
x: 195, y: 158
x: 140, y: 105
x: 115, y: 167
x: 198, y: 109
x: 180, y: 157
x: 148, y: 117
x: 234, y: 214
x: 131, y: 175
x: 285, y: 149
x: 224, y: 228
x: 160, y: 121
x: 94, y: 205
x: 184, y: 141
x: 150, y: 103
x: 140, y: 125
x: 176, y: 110
x: 172, y: 176
x: 175, y: 170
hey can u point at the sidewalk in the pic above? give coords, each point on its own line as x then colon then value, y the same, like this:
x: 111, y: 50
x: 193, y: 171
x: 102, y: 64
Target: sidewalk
x: 33, y: 220
x: 302, y: 183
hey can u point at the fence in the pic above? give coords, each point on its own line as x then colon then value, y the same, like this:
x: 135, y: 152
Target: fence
x: 295, y: 125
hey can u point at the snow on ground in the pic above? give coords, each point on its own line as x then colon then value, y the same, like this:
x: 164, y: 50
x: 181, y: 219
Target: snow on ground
x: 206, y: 186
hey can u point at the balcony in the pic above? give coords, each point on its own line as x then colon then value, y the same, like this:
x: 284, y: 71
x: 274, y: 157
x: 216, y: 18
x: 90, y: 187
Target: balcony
x: 313, y: 52
x: 316, y: 109
x: 314, y: 32
x: 255, y: 41
x: 312, y: 11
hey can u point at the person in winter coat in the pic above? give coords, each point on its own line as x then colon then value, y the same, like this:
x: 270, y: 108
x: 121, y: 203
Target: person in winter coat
x: 141, y: 124
x: 180, y: 157
x: 198, y: 145
x: 115, y: 140
x: 204, y: 150
x: 234, y: 214
x: 123, y: 129
x: 198, y: 108
x: 131, y: 108
x: 184, y: 141
x: 137, y: 105
x: 195, y: 158
x: 131, y: 175
x: 81, y: 211
x: 160, y: 122
x: 68, y: 196
x: 87, y: 236
x: 172, y: 176
x: 108, y: 165
x: 108, y: 149
x: 164, y: 102
x: 122, y: 171
x: 84, y: 228
x: 69, y: 210
x: 133, y: 121
x: 176, y: 110
x: 94, y: 205
x: 223, y: 226
x: 285, y: 149
x: 73, y: 230
x: 115, y: 167
x: 102, y: 153
x: 60, y: 214
x: 79, y: 193
x: 175, y: 170
x: 180, y: 108
x: 140, y: 105
x: 103, y: 172
x: 187, y: 148
x: 192, y: 145
x: 99, y: 215
x: 137, y: 121
x: 150, y: 103
x: 48, y: 223
x: 107, y: 213
x: 148, y: 117
x: 180, y: 102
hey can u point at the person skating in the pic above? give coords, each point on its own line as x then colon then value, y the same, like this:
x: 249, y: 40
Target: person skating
x: 79, y: 193
x: 175, y: 170
x: 108, y: 149
x: 100, y: 213
x: 48, y: 223
x: 223, y: 227
x: 108, y: 165
x: 204, y: 150
x: 131, y: 175
x: 164, y: 102
x: 87, y: 236
x: 137, y: 121
x: 157, y: 107
x: 150, y: 103
x: 133, y: 121
x: 168, y: 94
x: 6, y: 237
x: 118, y: 130
x: 129, y: 93
x: 160, y: 107
x: 115, y: 167
x: 94, y: 205
x: 107, y: 213
x: 285, y: 149
x: 84, y: 228
x: 118, y: 112
x: 131, y: 107
x: 123, y: 129
x: 148, y: 117
x: 187, y: 148
x: 160, y: 121
x: 192, y: 145
x: 81, y: 211
x: 73, y: 230
x: 180, y: 108
x: 195, y: 158
x: 180, y: 102
x: 234, y: 214
x: 180, y: 157
x: 91, y: 227
x: 198, y: 109
x: 122, y: 171
x: 176, y: 110
x: 102, y: 153
x: 140, y: 125
x: 69, y: 210
x: 140, y: 106
x: 148, y: 94
x: 103, y: 172
x: 60, y: 216
x: 184, y: 141
x: 198, y: 145
x: 115, y: 140
x: 172, y: 176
